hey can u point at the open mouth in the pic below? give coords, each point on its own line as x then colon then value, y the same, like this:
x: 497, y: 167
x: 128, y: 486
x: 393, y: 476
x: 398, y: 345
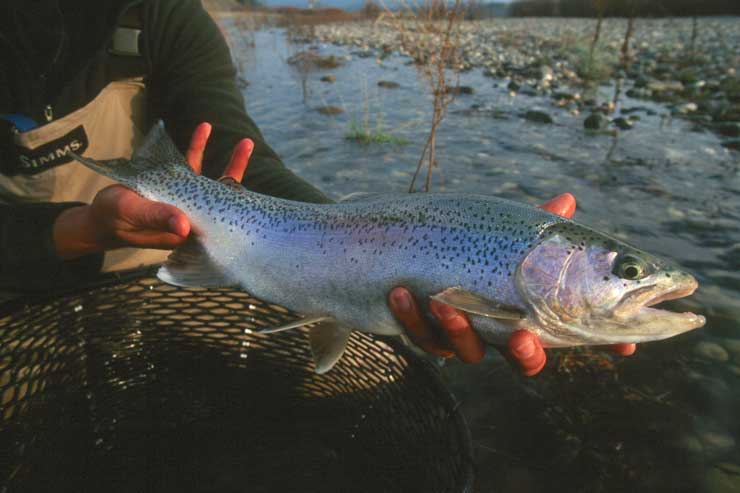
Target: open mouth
x: 640, y: 311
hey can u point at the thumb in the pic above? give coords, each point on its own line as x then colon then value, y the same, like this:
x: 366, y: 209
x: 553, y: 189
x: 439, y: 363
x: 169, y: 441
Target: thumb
x: 149, y: 215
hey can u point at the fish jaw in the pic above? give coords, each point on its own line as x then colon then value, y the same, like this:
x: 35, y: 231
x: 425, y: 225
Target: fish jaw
x: 641, y: 322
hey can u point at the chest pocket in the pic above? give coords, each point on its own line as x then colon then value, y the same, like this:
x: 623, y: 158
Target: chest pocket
x: 110, y: 126
x: 125, y: 52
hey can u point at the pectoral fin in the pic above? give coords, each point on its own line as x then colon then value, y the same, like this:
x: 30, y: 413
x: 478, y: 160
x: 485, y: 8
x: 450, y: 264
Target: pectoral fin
x: 328, y: 342
x: 478, y: 305
x: 190, y: 265
x: 296, y: 323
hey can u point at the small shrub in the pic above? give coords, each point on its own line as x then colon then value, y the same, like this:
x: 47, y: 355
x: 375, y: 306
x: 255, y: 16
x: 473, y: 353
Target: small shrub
x: 596, y: 68
x: 365, y: 135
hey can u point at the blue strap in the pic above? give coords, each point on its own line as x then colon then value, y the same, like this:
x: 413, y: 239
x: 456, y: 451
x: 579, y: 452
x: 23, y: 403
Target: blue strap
x: 21, y: 122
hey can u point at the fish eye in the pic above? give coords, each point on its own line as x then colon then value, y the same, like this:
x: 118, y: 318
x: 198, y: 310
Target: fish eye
x: 631, y: 268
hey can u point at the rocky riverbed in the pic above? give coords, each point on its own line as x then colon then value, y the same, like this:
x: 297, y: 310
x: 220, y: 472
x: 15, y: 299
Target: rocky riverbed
x: 662, y: 420
x: 698, y: 80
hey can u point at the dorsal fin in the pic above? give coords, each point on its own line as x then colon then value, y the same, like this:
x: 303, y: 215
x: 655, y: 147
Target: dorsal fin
x: 366, y: 197
x: 157, y: 155
x: 157, y: 149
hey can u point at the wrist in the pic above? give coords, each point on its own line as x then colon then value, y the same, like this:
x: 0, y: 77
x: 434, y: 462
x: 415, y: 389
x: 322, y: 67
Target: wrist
x: 74, y: 233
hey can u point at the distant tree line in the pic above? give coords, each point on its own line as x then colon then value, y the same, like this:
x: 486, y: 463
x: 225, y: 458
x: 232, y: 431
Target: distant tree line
x: 624, y: 8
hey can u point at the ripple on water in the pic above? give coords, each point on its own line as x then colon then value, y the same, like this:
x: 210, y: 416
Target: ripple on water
x: 668, y: 189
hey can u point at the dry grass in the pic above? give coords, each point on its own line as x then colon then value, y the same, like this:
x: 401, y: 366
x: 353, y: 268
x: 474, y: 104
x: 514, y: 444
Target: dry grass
x: 429, y: 32
x: 290, y: 17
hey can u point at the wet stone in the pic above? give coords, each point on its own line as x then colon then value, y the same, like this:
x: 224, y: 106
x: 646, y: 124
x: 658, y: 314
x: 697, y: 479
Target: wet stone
x: 538, y: 116
x: 721, y: 480
x: 733, y: 345
x: 661, y: 86
x: 527, y: 90
x: 706, y: 392
x: 687, y: 108
x: 456, y: 90
x: 329, y: 110
x: 717, y: 442
x: 565, y: 96
x: 691, y: 444
x: 676, y: 213
x: 642, y: 81
x: 711, y: 351
x: 596, y: 121
x: 730, y: 129
x: 636, y: 93
x: 732, y: 144
x: 388, y: 84
x: 623, y: 123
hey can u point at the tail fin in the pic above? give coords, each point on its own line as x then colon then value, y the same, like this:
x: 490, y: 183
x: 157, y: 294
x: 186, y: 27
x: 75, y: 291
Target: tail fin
x: 157, y: 154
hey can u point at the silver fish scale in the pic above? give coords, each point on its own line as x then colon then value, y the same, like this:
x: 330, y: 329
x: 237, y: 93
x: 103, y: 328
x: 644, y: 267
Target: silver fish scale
x: 343, y: 258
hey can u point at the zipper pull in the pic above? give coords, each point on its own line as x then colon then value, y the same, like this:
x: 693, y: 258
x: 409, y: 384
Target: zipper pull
x: 48, y: 113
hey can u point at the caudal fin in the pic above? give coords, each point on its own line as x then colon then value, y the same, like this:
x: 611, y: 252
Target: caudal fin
x: 157, y: 156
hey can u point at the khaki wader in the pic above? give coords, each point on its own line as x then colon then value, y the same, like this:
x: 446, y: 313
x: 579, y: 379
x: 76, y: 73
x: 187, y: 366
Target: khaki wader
x: 113, y: 125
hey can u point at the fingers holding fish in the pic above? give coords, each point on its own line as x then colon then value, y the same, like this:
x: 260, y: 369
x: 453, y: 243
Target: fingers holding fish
x: 404, y: 307
x: 624, y: 349
x: 464, y: 341
x: 197, y: 146
x: 239, y: 160
x: 527, y: 350
x: 563, y: 205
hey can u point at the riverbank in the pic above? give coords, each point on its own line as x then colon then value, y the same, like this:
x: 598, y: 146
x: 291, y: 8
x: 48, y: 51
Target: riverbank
x: 696, y: 80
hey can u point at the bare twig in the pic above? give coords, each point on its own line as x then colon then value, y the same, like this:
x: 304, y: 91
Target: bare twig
x: 429, y: 33
x: 600, y: 5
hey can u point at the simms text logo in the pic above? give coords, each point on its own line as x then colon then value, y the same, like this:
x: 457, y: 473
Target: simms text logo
x: 53, y: 153
x: 28, y: 162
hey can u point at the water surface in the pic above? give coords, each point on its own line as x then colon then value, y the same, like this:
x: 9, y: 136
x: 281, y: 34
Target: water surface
x: 665, y: 419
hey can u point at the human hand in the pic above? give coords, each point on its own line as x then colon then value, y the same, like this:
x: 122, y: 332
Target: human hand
x: 457, y: 337
x: 120, y: 217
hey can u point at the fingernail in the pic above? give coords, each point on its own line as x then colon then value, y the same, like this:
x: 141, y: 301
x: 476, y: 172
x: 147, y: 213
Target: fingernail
x: 174, y: 225
x: 402, y: 300
x: 445, y: 312
x: 525, y: 349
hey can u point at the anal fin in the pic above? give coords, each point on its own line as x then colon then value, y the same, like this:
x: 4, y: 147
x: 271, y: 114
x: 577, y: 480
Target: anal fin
x: 328, y: 342
x: 295, y: 324
x: 191, y: 266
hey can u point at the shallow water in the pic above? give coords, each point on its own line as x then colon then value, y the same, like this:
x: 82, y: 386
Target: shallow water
x: 665, y: 419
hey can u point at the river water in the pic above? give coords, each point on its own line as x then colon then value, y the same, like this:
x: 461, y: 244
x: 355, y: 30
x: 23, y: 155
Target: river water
x: 665, y: 419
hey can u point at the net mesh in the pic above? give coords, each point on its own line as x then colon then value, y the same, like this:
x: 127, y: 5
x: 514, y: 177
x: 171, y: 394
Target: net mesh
x: 133, y: 385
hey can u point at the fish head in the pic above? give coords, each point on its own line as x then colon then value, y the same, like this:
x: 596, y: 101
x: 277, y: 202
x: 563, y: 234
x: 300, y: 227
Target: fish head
x: 584, y: 287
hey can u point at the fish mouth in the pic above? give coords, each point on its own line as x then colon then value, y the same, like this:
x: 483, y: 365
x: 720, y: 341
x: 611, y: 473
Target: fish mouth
x: 644, y: 322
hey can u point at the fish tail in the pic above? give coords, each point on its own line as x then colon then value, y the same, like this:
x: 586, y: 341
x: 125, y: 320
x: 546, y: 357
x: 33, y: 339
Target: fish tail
x: 157, y: 158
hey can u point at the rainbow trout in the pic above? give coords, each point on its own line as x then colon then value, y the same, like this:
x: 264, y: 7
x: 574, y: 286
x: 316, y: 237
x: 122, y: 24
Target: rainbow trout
x: 507, y: 265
